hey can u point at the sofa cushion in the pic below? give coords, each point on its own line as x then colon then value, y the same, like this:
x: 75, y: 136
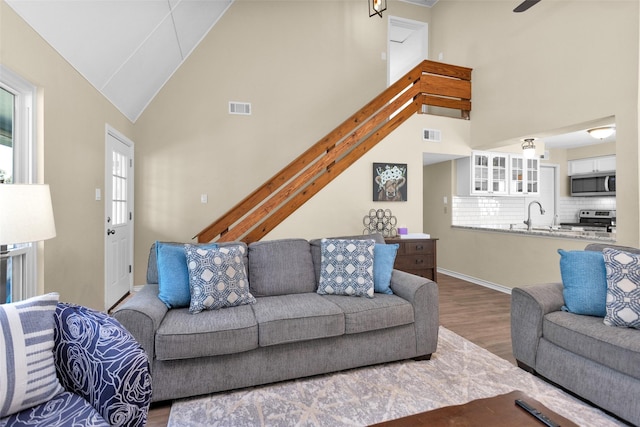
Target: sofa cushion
x: 297, y: 317
x: 623, y: 288
x: 584, y: 282
x: 152, y: 264
x: 369, y: 314
x: 281, y: 267
x: 27, y: 368
x: 217, y: 277
x: 210, y: 333
x: 316, y: 248
x: 347, y: 267
x: 173, y: 275
x: 589, y: 337
x: 384, y: 257
x: 65, y: 409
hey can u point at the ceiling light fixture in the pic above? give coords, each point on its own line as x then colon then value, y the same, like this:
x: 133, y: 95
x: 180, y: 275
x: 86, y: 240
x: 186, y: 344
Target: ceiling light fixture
x: 376, y: 7
x: 602, y: 132
x: 528, y: 148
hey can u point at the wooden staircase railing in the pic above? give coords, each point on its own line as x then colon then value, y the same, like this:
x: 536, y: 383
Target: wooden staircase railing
x: 430, y: 83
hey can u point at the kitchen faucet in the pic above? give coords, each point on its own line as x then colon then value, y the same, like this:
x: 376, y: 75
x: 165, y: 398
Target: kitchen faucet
x: 528, y: 221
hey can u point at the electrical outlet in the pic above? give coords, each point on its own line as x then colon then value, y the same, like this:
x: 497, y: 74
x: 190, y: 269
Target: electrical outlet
x: 204, y: 198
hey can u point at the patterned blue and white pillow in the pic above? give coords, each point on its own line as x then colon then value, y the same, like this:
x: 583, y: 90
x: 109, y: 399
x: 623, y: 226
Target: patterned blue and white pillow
x: 346, y: 267
x: 217, y: 277
x: 173, y: 275
x: 27, y: 371
x: 623, y: 288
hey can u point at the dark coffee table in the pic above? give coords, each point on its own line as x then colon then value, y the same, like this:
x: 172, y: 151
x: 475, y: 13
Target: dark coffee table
x: 493, y: 411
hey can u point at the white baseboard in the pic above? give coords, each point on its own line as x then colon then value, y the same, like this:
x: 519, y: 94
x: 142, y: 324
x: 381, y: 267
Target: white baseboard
x: 475, y: 280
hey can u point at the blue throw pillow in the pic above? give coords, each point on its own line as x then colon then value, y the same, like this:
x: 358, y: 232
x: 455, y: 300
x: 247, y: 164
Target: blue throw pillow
x: 173, y: 275
x: 383, y: 258
x: 584, y: 278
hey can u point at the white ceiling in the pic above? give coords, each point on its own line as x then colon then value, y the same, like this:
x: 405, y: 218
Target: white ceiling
x: 580, y: 138
x: 564, y: 140
x: 126, y: 49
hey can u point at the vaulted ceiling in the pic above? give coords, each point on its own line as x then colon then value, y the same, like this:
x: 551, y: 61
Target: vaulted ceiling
x: 126, y: 49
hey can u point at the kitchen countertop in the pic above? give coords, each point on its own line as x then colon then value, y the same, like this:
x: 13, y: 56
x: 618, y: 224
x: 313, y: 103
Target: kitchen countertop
x: 543, y: 232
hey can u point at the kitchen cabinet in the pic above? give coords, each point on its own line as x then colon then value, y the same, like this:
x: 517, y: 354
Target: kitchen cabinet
x: 484, y: 173
x: 416, y: 256
x: 592, y: 165
x: 524, y: 176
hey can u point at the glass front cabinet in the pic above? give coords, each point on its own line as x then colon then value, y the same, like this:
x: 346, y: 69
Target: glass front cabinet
x: 525, y: 176
x: 489, y: 173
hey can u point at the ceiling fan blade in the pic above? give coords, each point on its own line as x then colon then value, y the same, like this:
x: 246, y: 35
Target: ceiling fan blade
x: 526, y: 4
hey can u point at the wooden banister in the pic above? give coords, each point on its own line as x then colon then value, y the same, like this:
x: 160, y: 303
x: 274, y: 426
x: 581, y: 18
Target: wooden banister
x: 429, y: 83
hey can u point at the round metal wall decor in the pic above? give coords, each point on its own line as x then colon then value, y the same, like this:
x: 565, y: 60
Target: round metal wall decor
x: 380, y: 221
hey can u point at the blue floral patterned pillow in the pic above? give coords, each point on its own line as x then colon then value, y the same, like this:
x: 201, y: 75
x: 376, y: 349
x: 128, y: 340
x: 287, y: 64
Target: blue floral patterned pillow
x: 346, y: 267
x: 99, y: 360
x: 623, y: 288
x: 217, y: 277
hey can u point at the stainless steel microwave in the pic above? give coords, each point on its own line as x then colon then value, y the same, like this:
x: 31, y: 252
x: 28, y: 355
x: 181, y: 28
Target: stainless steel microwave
x: 597, y: 184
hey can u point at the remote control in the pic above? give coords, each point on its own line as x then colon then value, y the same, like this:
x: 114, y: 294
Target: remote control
x: 534, y: 412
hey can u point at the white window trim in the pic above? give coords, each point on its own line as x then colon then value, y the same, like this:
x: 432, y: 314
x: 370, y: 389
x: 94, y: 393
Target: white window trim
x: 25, y: 170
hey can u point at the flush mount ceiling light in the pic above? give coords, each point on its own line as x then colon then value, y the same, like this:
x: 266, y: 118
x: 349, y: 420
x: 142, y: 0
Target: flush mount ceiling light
x: 376, y: 7
x: 528, y: 148
x: 602, y: 132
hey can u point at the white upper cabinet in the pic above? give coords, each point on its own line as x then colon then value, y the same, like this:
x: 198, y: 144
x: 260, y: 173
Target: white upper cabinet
x: 484, y: 173
x: 524, y: 176
x: 592, y: 165
x: 497, y: 174
x: 489, y: 173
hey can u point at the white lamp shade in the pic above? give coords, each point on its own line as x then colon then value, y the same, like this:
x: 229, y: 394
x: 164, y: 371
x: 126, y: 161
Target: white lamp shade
x: 529, y: 152
x: 26, y: 214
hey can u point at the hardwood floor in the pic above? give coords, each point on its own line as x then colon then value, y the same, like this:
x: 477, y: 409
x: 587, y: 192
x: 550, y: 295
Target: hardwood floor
x: 479, y: 314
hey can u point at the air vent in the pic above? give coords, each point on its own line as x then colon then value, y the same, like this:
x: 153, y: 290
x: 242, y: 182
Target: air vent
x: 432, y: 135
x: 243, y: 108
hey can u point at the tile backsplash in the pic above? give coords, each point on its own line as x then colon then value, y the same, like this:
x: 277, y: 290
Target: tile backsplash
x: 485, y: 211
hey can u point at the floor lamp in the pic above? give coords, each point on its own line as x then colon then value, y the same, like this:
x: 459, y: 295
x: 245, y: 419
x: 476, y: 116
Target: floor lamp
x: 26, y: 216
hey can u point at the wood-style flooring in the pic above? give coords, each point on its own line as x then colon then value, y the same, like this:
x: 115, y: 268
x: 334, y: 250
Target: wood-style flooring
x: 477, y: 313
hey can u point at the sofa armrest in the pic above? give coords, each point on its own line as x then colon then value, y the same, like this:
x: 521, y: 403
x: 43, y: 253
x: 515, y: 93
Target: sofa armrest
x: 142, y: 315
x: 529, y: 305
x: 97, y: 359
x: 423, y: 295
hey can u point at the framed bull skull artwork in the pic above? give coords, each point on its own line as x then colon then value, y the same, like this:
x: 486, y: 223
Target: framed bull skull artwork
x: 389, y: 182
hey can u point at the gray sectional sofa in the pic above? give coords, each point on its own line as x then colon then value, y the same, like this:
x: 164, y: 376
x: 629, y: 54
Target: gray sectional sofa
x: 599, y: 363
x: 291, y: 331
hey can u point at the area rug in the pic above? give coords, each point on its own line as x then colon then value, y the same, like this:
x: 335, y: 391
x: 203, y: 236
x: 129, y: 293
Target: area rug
x: 458, y: 372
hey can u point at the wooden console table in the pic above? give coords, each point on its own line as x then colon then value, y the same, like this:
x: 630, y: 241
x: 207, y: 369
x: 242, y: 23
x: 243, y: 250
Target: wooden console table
x: 416, y: 256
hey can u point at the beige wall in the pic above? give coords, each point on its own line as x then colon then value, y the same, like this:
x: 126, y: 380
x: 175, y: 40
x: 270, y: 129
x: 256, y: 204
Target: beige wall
x: 535, y: 72
x: 71, y: 137
x: 305, y: 67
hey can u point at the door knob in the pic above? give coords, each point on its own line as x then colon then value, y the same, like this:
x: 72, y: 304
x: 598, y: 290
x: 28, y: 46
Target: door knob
x: 109, y: 232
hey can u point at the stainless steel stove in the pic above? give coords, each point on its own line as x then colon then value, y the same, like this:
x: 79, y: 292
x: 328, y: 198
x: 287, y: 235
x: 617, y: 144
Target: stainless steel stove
x: 593, y: 220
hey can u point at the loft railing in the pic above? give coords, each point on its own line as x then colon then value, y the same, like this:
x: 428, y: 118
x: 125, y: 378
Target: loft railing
x: 428, y: 84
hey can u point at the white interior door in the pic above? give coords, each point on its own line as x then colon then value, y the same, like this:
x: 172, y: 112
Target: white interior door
x: 118, y: 217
